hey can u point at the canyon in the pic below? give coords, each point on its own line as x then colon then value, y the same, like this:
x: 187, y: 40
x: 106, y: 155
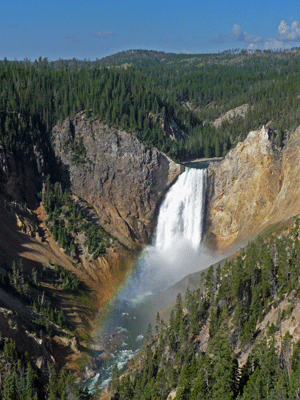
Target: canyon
x: 124, y: 183
x: 114, y: 179
x: 254, y: 186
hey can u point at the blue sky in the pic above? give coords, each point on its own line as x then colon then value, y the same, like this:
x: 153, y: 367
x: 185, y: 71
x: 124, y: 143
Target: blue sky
x: 96, y: 28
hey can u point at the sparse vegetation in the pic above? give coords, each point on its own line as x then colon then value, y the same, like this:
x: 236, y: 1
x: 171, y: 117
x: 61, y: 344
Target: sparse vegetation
x: 65, y: 220
x: 30, y: 288
x: 22, y: 380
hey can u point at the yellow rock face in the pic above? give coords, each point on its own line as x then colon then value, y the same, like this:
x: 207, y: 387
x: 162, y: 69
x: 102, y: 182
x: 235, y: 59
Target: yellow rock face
x: 253, y: 187
x: 287, y: 202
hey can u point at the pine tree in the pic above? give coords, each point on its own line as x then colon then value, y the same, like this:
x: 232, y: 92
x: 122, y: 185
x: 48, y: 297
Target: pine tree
x: 115, y: 379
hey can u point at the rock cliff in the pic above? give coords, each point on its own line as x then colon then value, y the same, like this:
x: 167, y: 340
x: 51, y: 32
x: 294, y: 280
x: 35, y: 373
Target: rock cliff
x: 114, y: 172
x: 256, y: 185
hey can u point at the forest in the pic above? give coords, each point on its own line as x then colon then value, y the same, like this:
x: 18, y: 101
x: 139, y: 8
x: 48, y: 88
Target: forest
x: 230, y: 301
x: 142, y: 92
x: 141, y: 99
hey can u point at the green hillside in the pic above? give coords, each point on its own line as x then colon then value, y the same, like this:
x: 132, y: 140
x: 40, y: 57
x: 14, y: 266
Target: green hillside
x: 187, y: 91
x: 218, y: 343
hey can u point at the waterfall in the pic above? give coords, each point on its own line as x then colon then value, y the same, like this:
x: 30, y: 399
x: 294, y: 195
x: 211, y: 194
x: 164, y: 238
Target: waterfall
x: 176, y: 251
x: 181, y: 214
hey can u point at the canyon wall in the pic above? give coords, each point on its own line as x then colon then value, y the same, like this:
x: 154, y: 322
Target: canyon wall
x: 256, y: 185
x: 117, y: 174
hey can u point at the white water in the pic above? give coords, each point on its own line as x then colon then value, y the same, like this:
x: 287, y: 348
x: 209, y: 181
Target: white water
x: 181, y: 214
x: 175, y: 253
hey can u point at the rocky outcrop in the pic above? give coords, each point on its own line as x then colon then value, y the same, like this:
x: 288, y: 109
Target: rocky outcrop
x: 231, y: 115
x: 114, y: 172
x: 172, y: 130
x: 256, y: 185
